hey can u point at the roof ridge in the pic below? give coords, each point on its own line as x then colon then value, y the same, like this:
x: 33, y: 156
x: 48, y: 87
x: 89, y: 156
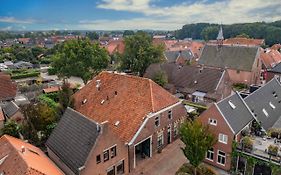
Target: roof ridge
x: 151, y: 94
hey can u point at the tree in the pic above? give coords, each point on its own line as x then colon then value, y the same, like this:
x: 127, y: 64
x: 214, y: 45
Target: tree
x: 197, y: 139
x: 65, y: 96
x: 92, y: 35
x: 243, y: 35
x: 140, y: 53
x: 80, y: 58
x: 160, y: 78
x: 128, y: 33
x: 39, y: 117
x: 11, y: 128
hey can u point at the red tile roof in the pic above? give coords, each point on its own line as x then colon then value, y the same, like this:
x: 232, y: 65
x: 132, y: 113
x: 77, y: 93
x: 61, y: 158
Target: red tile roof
x: 123, y: 98
x: 276, y: 47
x: 52, y: 89
x: 116, y: 46
x: 30, y: 162
x: 244, y: 41
x: 8, y: 89
x: 270, y: 57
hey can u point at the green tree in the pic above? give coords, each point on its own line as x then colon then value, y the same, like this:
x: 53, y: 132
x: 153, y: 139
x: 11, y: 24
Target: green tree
x: 128, y: 33
x: 11, y: 128
x: 92, y: 35
x: 65, y: 96
x: 197, y: 139
x: 37, y: 51
x: 160, y: 78
x: 140, y: 53
x: 80, y: 58
x: 243, y: 35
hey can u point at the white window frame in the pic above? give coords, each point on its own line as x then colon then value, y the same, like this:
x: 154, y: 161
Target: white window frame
x: 170, y: 113
x: 211, y: 152
x: 213, y: 121
x: 160, y: 135
x: 221, y: 156
x: 223, y: 138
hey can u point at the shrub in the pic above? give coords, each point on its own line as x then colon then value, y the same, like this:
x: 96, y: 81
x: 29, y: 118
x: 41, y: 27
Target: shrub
x: 239, y: 86
x: 46, y: 100
x: 25, y: 75
x: 247, y: 143
x: 51, y: 71
x: 273, y: 150
x: 188, y: 169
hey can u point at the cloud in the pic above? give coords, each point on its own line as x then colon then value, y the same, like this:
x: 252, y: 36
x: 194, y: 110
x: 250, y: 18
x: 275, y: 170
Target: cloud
x: 6, y: 28
x: 16, y: 21
x: 172, y: 17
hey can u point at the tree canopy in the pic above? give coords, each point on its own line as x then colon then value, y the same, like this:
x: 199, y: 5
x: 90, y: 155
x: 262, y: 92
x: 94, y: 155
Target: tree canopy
x: 197, y: 139
x: 260, y: 30
x: 92, y: 35
x: 79, y: 58
x: 140, y: 53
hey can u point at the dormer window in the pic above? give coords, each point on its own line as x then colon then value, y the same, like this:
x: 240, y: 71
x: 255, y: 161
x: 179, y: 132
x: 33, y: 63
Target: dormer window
x: 231, y: 104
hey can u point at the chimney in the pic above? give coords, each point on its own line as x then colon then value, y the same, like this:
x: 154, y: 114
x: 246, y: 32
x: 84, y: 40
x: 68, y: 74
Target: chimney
x: 98, y: 84
x: 104, y: 126
x: 22, y: 149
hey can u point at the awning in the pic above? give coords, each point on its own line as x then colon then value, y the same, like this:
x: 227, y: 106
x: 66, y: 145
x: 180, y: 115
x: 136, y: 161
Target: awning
x: 199, y: 94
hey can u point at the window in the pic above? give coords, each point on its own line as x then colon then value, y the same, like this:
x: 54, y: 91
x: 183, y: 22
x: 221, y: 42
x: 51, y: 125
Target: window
x: 231, y: 104
x: 271, y: 105
x: 157, y: 121
x: 113, y: 151
x: 120, y: 168
x: 111, y: 170
x: 210, y: 154
x: 221, y: 157
x: 170, y: 114
x: 176, y: 129
x: 160, y: 140
x: 106, y: 155
x: 98, y: 159
x: 212, y: 121
x: 223, y: 138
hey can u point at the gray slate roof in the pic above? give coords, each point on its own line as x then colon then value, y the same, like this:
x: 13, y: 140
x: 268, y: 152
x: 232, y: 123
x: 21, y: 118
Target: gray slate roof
x: 226, y: 56
x: 73, y: 139
x: 10, y: 109
x: 184, y: 77
x: 238, y: 117
x: 265, y: 98
x: 173, y: 55
x: 276, y: 69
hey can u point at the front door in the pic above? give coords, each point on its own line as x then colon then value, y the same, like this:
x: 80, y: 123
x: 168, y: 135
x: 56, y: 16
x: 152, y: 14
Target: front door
x: 169, y: 135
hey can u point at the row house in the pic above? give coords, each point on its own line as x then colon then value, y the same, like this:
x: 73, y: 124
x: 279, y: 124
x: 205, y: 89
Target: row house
x: 236, y: 115
x: 195, y: 83
x: 133, y: 118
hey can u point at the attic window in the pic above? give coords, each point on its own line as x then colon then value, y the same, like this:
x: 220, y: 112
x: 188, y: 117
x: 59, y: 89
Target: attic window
x: 84, y: 101
x: 274, y: 94
x: 117, y: 123
x: 195, y: 82
x: 102, y: 102
x: 271, y: 105
x: 115, y: 92
x: 231, y: 104
x: 265, y: 112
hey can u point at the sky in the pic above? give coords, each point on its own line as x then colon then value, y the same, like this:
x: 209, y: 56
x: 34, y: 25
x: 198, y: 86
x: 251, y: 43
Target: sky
x: 131, y: 14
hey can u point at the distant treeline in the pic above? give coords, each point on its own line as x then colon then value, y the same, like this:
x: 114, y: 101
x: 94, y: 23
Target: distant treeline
x: 271, y: 32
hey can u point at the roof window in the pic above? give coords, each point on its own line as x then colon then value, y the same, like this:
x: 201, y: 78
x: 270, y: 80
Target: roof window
x: 231, y: 104
x: 271, y: 105
x: 265, y: 112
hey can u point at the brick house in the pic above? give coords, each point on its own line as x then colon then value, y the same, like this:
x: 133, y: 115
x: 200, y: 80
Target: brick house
x: 20, y: 158
x: 242, y: 62
x: 226, y: 119
x: 197, y: 84
x: 13, y: 112
x: 79, y: 145
x: 8, y: 89
x: 141, y: 113
x: 275, y: 72
x: 132, y: 115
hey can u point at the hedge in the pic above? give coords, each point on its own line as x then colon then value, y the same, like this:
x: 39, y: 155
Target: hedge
x: 25, y: 75
x: 200, y: 108
x: 51, y: 103
x: 51, y: 71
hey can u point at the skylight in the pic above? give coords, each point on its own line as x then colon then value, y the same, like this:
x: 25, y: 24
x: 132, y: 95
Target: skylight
x: 265, y: 112
x: 271, y: 105
x: 231, y: 104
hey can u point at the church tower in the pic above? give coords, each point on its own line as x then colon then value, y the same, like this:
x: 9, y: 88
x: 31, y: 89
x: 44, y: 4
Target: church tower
x: 220, y: 37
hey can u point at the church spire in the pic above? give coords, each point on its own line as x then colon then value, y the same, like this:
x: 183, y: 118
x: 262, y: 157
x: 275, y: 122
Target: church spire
x: 220, y: 36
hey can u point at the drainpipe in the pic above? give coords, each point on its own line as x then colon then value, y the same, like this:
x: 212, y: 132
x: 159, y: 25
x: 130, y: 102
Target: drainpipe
x: 129, y: 158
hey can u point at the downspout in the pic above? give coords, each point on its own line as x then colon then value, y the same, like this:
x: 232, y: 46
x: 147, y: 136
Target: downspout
x: 129, y: 159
